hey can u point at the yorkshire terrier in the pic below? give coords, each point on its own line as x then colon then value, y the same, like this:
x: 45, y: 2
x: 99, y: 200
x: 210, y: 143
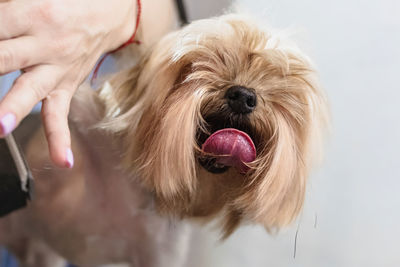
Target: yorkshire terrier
x: 219, y: 120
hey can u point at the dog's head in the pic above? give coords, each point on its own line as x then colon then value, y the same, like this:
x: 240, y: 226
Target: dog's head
x: 221, y: 118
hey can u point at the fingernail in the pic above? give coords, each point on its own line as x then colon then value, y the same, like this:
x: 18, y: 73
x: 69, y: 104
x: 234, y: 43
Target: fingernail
x: 70, y: 158
x: 7, y: 124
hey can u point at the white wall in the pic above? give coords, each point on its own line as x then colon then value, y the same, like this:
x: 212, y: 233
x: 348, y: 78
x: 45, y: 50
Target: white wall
x: 355, y: 194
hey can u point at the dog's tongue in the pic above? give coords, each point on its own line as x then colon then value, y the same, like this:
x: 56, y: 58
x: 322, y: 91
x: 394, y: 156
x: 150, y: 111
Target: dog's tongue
x: 231, y: 147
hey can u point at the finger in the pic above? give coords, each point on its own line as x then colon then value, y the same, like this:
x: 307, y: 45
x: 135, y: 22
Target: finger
x: 14, y: 19
x: 28, y: 89
x: 19, y: 53
x: 55, y: 119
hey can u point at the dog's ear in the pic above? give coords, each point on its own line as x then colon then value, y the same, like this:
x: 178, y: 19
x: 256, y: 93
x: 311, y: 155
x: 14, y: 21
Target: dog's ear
x: 294, y: 120
x: 166, y: 132
x: 156, y: 113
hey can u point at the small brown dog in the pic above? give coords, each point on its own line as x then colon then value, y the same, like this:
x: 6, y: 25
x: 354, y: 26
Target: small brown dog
x: 219, y: 119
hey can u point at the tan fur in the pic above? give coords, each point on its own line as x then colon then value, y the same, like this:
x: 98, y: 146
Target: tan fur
x: 137, y: 176
x: 159, y: 105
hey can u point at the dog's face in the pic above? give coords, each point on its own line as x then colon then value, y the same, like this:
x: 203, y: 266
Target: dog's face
x: 220, y: 118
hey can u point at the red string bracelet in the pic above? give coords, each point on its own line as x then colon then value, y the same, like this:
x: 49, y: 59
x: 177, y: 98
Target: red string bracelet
x: 130, y: 41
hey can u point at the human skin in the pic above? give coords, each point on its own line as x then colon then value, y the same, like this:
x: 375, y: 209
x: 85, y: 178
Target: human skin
x: 56, y: 44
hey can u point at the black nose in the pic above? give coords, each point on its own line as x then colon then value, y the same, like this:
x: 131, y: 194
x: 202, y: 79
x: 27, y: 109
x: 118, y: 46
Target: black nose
x: 241, y: 99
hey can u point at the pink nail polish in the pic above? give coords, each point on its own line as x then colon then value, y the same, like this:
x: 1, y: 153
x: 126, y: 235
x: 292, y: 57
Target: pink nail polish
x: 70, y: 158
x: 7, y: 124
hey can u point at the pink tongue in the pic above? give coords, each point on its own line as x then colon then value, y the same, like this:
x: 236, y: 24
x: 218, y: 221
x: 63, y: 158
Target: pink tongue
x: 231, y: 147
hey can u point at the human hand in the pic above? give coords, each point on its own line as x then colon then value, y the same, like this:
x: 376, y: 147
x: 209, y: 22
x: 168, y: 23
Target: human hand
x: 56, y: 43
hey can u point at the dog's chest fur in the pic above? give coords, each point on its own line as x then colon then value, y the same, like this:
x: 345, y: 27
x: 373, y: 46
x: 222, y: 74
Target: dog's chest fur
x: 96, y: 213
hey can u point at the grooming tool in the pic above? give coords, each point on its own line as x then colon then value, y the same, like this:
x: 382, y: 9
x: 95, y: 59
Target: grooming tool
x: 16, y: 183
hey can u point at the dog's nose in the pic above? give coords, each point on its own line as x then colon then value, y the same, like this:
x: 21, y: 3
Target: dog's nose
x: 241, y: 100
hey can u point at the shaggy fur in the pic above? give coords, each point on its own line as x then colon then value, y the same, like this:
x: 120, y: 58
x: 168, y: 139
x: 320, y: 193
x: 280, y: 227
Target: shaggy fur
x: 153, y: 119
x: 182, y: 83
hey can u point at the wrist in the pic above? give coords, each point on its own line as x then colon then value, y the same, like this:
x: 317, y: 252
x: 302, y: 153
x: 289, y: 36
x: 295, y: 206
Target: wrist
x: 131, y: 40
x: 126, y: 33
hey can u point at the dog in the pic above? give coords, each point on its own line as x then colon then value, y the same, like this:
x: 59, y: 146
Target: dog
x: 220, y: 120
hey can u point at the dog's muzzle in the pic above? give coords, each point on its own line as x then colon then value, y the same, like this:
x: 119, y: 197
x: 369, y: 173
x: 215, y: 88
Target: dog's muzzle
x: 230, y: 143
